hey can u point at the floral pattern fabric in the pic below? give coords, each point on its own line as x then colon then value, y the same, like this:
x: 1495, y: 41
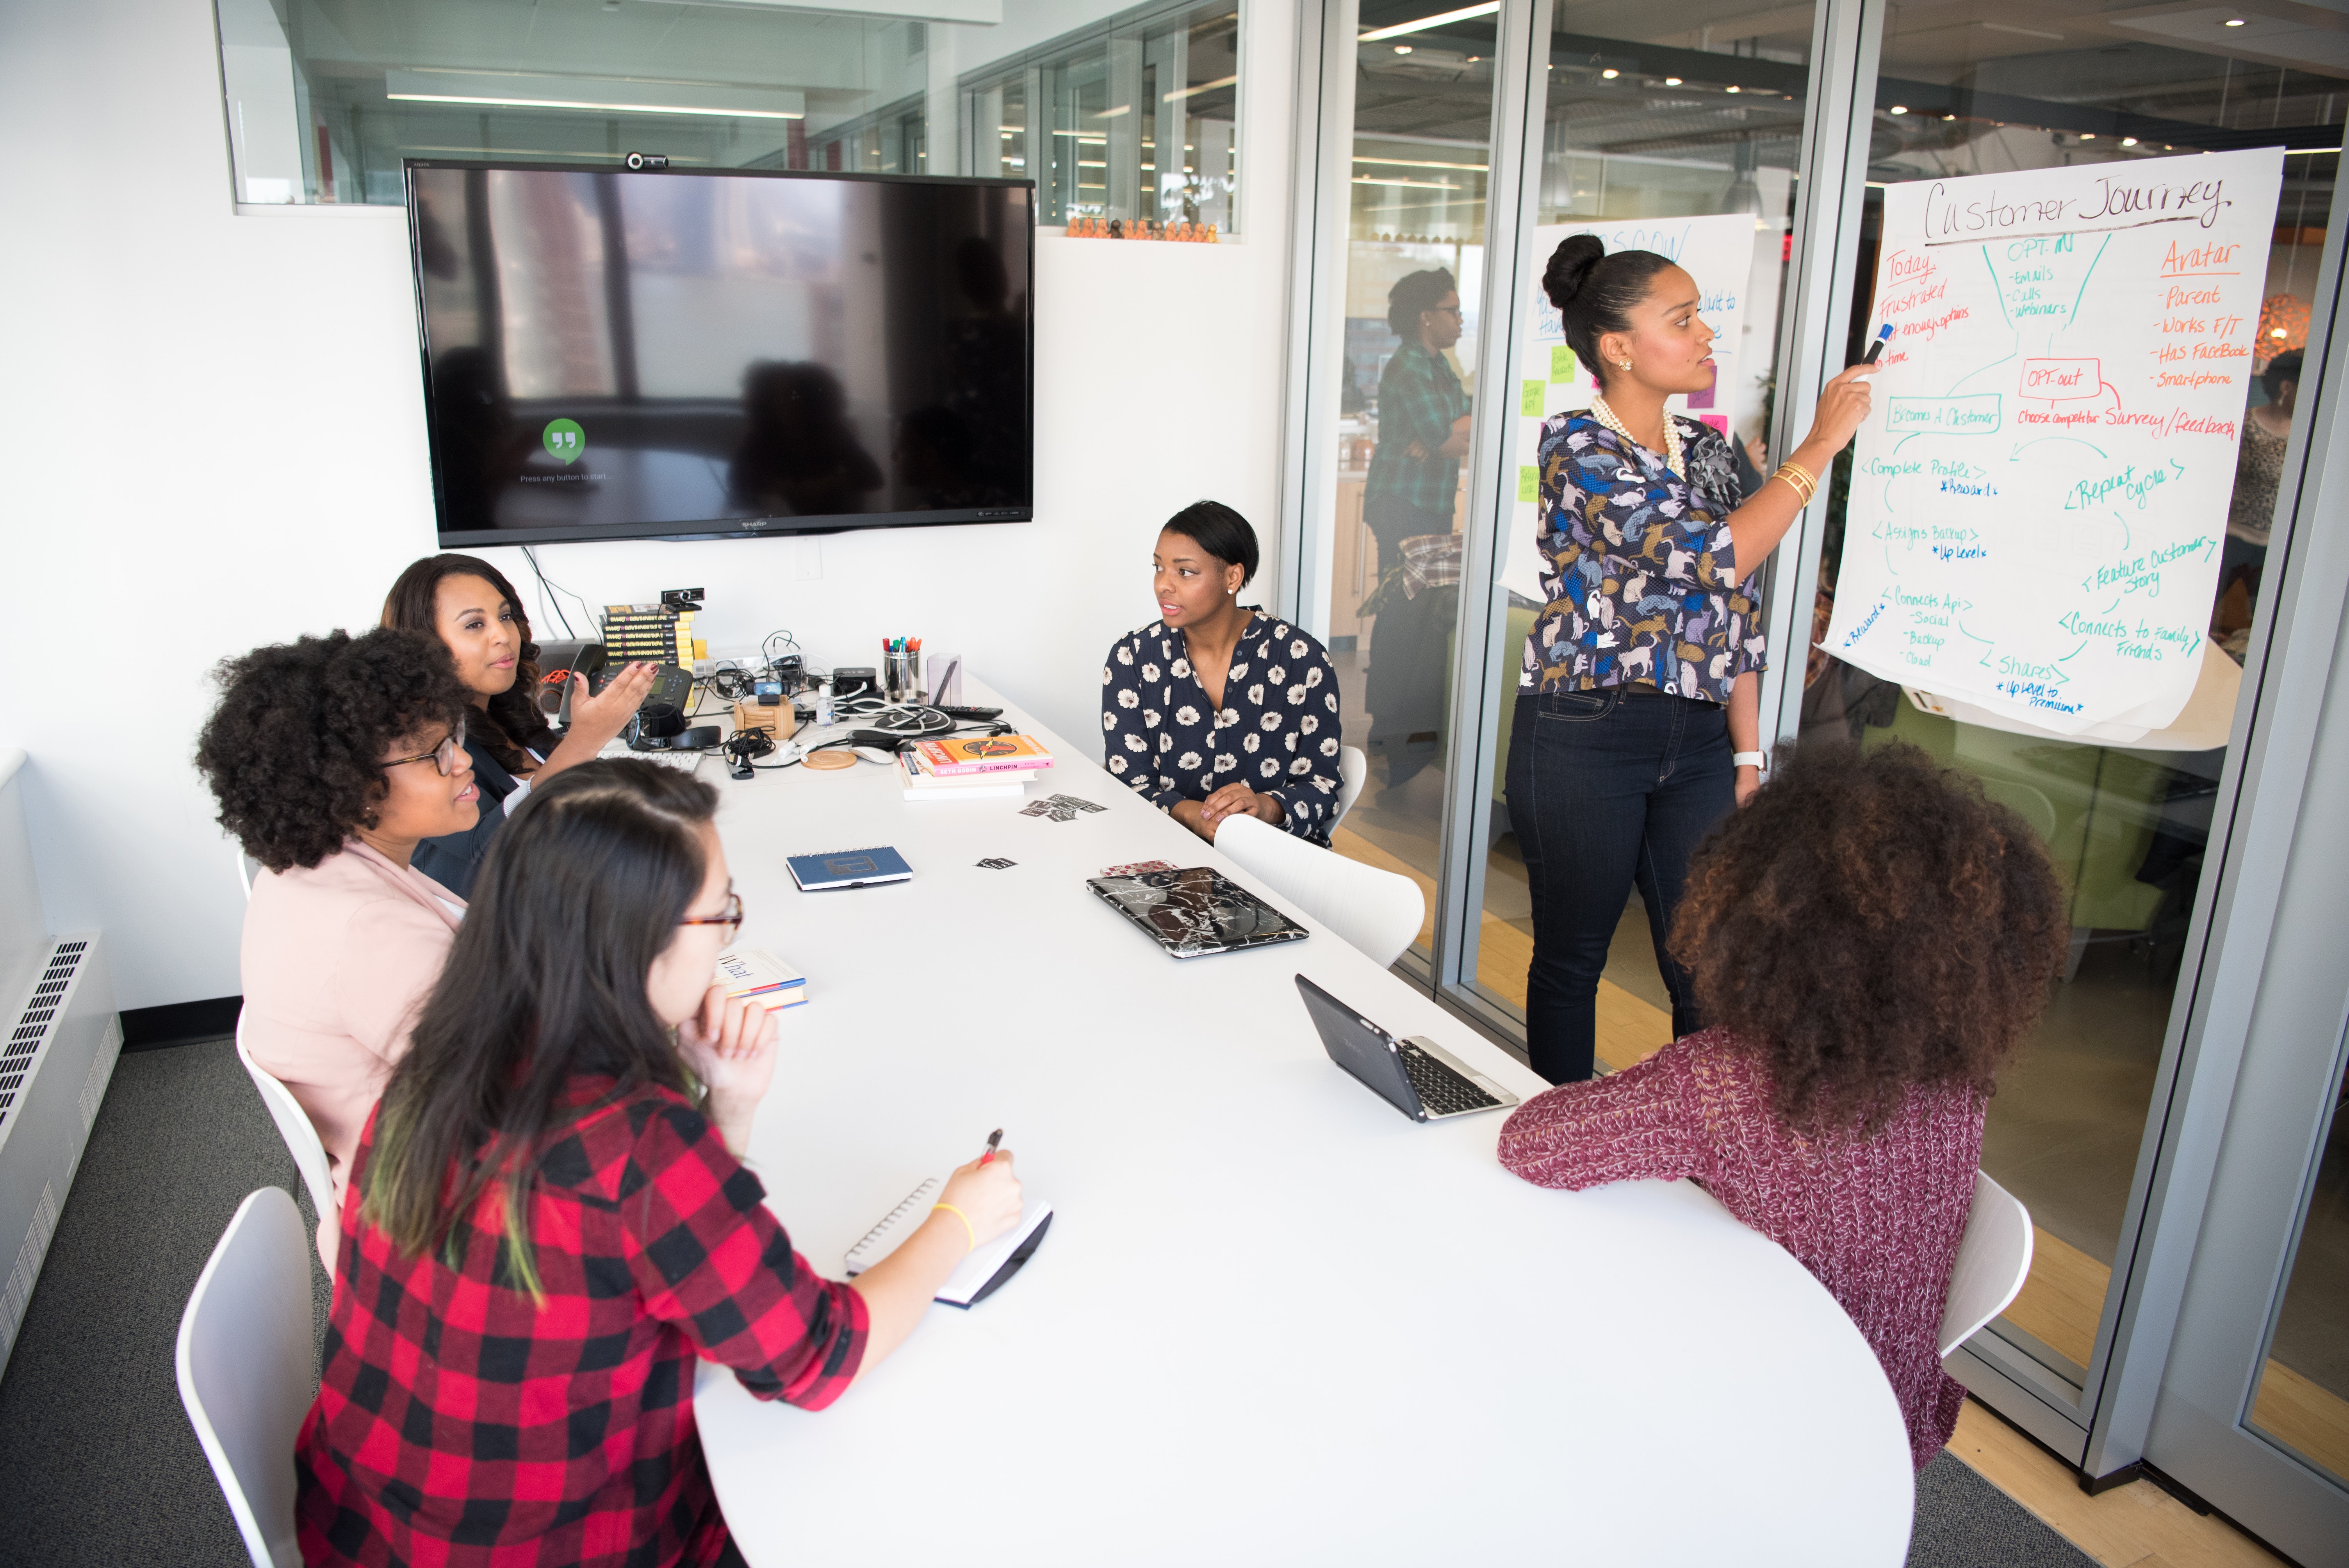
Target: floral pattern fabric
x: 1640, y: 580
x: 1277, y: 731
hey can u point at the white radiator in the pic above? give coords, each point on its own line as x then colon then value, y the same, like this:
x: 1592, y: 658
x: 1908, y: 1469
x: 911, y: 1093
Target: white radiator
x: 55, y: 1059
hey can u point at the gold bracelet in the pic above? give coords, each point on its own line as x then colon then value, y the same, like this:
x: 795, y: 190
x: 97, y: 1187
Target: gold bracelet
x: 959, y: 1214
x: 1799, y: 479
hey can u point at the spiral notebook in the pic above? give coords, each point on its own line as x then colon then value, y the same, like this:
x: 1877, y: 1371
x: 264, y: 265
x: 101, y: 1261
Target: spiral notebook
x: 978, y: 1275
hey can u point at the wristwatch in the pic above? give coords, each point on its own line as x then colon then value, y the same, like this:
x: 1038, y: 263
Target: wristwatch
x: 1760, y: 759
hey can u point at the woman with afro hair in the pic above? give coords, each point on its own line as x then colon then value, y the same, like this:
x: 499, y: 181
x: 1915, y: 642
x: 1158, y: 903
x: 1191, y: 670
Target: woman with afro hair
x: 331, y: 759
x: 1869, y: 939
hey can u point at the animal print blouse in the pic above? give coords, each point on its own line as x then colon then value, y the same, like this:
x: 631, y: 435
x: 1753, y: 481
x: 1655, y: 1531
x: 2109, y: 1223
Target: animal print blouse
x: 1641, y: 581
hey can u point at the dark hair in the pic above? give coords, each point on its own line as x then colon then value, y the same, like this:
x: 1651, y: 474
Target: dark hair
x: 1870, y: 921
x: 1417, y: 292
x: 1595, y: 292
x: 292, y: 751
x: 1220, y: 532
x: 581, y: 891
x: 2284, y: 367
x: 514, y: 720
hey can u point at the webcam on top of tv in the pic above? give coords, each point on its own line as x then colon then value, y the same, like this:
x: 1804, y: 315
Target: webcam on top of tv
x: 637, y: 162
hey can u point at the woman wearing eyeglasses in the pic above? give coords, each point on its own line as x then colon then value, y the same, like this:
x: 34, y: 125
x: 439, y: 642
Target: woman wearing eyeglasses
x: 551, y: 1200
x: 331, y: 759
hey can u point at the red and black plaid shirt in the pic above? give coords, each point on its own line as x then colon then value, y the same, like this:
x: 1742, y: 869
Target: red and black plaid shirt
x: 460, y: 1422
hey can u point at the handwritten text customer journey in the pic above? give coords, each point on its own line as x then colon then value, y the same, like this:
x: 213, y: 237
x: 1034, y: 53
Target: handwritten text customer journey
x: 2038, y: 501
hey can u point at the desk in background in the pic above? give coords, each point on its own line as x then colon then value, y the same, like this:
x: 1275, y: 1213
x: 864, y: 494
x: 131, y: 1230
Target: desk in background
x: 1274, y: 1322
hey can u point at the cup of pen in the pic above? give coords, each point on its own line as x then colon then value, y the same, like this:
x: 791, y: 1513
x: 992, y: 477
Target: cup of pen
x: 902, y: 675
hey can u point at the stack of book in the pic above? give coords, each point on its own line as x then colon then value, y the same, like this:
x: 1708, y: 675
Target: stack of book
x: 649, y: 632
x: 971, y: 766
x: 755, y: 972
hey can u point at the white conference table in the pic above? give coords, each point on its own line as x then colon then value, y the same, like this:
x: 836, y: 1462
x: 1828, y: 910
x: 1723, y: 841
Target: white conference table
x: 1274, y: 1321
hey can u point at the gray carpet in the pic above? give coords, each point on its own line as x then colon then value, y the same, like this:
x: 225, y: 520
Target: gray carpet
x: 103, y: 1467
x: 1964, y: 1521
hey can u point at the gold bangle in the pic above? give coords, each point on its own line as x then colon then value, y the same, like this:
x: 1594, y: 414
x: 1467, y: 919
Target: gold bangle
x: 959, y: 1214
x: 1800, y: 482
x: 1810, y: 479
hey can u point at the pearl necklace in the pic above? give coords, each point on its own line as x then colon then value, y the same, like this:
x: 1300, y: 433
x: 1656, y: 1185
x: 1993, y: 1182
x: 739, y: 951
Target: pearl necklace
x: 1672, y: 456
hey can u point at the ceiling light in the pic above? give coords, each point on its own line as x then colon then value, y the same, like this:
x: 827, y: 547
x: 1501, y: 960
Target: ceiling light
x: 2232, y: 22
x: 1900, y: 108
x: 1402, y: 48
x: 1474, y: 59
x: 2276, y: 332
x: 2087, y: 136
x: 1610, y: 75
x: 1948, y: 118
x: 486, y: 102
x: 1400, y: 28
x: 2128, y: 141
x: 1733, y: 90
x: 1179, y: 94
x: 1672, y: 81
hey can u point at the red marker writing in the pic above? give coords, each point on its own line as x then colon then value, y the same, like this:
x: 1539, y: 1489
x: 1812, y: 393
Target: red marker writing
x: 993, y: 1139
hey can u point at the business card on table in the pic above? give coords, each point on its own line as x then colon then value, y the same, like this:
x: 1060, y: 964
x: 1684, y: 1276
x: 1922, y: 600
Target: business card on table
x: 1078, y: 802
x: 1137, y: 867
x: 997, y: 863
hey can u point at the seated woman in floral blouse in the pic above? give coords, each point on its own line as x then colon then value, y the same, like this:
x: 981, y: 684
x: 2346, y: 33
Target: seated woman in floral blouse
x: 1213, y: 710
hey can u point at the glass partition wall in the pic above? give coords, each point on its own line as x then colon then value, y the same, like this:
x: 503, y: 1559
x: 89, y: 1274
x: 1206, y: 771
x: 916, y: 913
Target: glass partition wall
x: 324, y: 98
x: 2128, y: 826
x: 1413, y: 275
x: 1701, y: 117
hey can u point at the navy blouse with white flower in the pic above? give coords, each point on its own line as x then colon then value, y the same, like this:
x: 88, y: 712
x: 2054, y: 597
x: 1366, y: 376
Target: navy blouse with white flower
x: 1640, y: 577
x: 1276, y: 733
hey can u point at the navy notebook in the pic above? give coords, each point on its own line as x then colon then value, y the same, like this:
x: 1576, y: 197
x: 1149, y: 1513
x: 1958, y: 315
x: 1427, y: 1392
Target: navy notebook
x: 849, y: 867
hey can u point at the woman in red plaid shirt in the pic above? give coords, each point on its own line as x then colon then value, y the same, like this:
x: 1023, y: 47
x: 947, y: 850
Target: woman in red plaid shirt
x: 549, y: 1219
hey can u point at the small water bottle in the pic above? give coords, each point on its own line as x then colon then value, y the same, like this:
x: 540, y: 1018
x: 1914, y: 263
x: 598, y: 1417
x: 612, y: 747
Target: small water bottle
x: 824, y: 705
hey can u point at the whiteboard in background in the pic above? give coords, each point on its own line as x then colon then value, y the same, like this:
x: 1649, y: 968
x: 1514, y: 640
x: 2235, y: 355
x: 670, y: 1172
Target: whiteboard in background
x: 1718, y: 251
x: 2039, y: 500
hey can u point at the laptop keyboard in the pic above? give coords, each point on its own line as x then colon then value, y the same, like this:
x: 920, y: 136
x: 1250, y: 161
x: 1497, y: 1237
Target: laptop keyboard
x: 1441, y: 1090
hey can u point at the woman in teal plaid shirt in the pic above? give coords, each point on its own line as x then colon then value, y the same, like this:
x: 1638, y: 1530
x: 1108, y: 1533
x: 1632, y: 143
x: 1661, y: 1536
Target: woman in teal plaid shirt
x: 1413, y: 478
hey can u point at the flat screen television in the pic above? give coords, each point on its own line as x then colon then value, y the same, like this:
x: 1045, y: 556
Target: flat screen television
x: 716, y: 353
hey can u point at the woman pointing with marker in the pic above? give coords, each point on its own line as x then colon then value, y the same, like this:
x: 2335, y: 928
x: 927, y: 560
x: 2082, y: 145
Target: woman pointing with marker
x: 1639, y: 695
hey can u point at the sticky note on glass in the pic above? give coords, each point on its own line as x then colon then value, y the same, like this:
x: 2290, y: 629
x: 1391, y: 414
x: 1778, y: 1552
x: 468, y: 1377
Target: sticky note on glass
x: 1561, y: 363
x: 1529, y: 484
x: 1529, y: 399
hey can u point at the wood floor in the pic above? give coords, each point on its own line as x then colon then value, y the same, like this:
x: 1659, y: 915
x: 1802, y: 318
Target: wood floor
x: 2134, y: 1526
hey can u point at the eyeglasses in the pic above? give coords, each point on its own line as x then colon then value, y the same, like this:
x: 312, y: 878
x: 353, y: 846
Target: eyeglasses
x: 443, y: 756
x: 731, y: 918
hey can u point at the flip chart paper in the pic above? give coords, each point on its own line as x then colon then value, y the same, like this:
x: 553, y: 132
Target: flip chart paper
x: 1718, y: 253
x: 2039, y: 497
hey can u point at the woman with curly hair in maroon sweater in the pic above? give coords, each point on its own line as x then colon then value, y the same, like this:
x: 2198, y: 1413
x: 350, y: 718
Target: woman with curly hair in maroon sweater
x: 1869, y: 938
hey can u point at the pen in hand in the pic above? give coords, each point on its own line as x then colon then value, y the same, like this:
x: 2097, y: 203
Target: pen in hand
x: 1883, y: 337
x: 994, y: 1139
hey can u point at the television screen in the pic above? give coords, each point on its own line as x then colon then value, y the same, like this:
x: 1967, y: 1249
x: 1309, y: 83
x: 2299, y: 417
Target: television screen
x: 614, y: 355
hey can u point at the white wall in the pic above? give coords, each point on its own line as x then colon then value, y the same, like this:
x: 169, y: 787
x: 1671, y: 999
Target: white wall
x: 211, y: 437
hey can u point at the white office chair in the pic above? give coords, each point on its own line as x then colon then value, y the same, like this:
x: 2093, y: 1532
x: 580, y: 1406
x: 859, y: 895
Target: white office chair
x: 246, y: 1373
x: 1993, y: 1260
x: 302, y: 1142
x: 1353, y: 767
x: 1378, y: 912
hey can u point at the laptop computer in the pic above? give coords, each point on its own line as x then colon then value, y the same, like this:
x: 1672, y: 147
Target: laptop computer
x: 1416, y: 1076
x: 1196, y: 910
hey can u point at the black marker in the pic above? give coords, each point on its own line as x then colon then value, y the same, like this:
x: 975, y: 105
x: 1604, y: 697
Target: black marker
x: 1883, y: 337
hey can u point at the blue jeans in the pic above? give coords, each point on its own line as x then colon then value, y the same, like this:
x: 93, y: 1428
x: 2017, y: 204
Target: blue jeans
x: 1607, y: 788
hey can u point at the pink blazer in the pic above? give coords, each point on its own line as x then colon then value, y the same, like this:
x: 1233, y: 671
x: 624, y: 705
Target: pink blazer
x: 337, y: 959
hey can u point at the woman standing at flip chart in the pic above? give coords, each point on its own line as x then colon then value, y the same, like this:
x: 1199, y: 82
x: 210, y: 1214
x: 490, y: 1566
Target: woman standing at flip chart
x: 1639, y: 723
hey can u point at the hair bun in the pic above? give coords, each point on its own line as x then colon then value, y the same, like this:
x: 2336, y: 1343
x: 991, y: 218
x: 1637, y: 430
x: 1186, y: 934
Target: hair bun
x: 1570, y: 267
